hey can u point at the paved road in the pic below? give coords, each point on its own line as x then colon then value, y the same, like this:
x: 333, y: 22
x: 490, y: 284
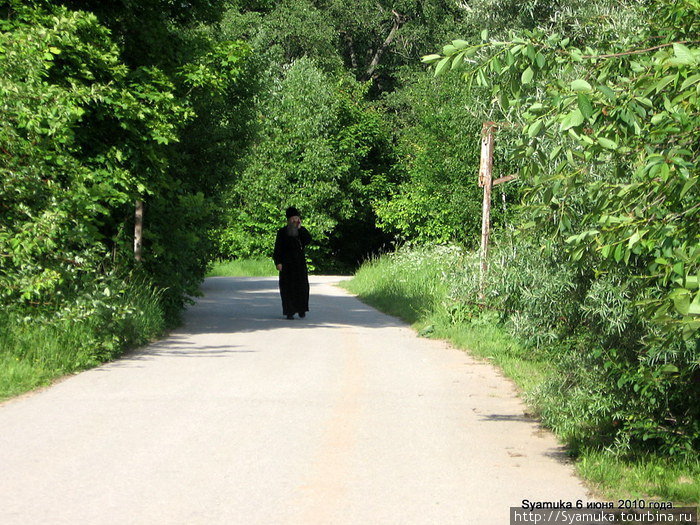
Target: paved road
x: 242, y: 417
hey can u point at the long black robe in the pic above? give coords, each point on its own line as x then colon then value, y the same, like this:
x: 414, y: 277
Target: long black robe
x: 294, y: 277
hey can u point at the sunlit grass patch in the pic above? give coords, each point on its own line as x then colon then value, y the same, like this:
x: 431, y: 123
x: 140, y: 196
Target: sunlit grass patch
x: 408, y: 284
x: 258, y: 267
x: 615, y: 477
x: 36, y: 350
x: 18, y: 376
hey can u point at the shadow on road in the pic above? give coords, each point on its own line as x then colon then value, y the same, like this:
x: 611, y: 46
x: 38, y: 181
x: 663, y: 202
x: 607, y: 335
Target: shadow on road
x: 173, y: 346
x: 231, y: 305
x: 558, y: 453
x: 249, y: 304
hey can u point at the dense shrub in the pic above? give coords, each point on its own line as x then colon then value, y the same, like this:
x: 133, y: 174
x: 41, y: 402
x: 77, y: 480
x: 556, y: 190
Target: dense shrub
x: 605, y: 387
x: 604, y: 269
x: 86, y: 132
x: 617, y: 384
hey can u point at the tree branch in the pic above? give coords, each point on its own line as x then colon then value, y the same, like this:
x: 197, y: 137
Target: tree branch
x: 639, y: 51
x: 398, y: 22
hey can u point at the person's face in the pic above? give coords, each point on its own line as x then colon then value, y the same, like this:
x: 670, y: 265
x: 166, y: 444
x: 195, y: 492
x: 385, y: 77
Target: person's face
x: 295, y: 220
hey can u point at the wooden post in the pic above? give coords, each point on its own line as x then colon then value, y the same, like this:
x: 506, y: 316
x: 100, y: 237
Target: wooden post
x: 486, y: 181
x: 138, y: 230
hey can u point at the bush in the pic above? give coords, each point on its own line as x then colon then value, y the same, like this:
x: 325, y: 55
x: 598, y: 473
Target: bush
x: 610, y: 384
x: 617, y: 383
x: 115, y: 314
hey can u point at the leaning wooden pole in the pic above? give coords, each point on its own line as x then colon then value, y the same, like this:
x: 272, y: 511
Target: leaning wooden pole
x: 485, y: 181
x: 138, y: 230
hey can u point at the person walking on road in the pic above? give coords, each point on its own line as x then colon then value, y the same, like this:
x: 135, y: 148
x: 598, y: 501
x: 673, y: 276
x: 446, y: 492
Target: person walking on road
x: 290, y: 260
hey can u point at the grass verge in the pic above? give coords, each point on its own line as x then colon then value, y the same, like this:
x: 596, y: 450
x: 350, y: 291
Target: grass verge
x: 260, y: 267
x: 414, y: 285
x: 35, y: 351
x: 668, y: 481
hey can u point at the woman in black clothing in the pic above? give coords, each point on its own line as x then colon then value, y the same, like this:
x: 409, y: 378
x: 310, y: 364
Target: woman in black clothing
x: 291, y: 264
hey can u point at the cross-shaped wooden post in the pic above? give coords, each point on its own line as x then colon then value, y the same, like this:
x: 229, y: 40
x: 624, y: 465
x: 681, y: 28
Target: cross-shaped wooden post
x: 486, y: 181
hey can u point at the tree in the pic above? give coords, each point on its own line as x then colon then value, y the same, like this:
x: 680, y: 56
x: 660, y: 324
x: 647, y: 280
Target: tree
x: 87, y: 135
x: 61, y: 185
x: 438, y: 133
x: 320, y: 148
x: 149, y: 33
x: 606, y: 132
x: 378, y: 38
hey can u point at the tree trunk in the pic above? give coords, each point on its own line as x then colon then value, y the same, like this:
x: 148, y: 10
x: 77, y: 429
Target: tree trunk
x: 351, y: 50
x: 138, y: 230
x: 398, y: 22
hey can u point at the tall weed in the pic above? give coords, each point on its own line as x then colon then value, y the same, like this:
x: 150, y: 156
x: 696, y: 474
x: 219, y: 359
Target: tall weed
x: 409, y: 283
x: 600, y: 378
x: 35, y: 349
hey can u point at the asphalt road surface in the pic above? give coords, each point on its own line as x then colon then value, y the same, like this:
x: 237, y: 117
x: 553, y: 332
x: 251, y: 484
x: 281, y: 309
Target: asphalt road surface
x: 243, y: 417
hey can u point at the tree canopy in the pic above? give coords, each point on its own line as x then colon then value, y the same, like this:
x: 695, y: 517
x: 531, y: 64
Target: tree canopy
x: 606, y: 135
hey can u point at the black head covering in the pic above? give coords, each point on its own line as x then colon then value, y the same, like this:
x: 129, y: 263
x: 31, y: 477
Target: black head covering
x: 292, y: 211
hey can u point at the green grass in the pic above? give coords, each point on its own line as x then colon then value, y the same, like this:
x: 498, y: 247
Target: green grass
x: 667, y: 481
x: 36, y: 351
x: 243, y: 268
x: 414, y: 285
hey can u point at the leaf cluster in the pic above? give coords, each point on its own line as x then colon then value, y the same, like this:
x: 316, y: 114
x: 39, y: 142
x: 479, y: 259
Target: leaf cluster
x: 608, y: 143
x: 84, y: 135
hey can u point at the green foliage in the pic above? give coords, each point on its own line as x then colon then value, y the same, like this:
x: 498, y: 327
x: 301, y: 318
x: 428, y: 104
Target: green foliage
x: 627, y: 394
x: 365, y: 26
x: 321, y: 149
x: 150, y: 33
x: 216, y: 70
x: 295, y: 29
x: 612, y: 163
x: 260, y: 267
x: 59, y: 186
x: 409, y: 283
x: 84, y: 135
x: 606, y: 135
x: 218, y: 83
x: 438, y: 149
x: 376, y: 42
x: 177, y: 246
x: 34, y: 350
x: 614, y: 477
